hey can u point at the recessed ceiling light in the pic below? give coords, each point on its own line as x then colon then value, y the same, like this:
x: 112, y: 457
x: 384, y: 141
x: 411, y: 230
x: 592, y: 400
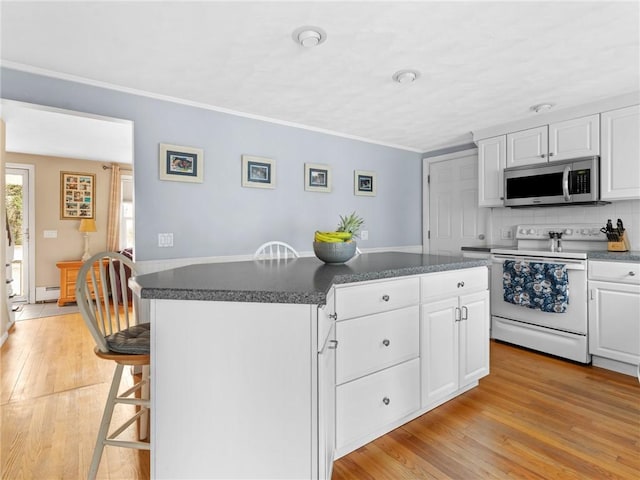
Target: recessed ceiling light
x: 309, y: 36
x: 406, y: 76
x: 542, y: 107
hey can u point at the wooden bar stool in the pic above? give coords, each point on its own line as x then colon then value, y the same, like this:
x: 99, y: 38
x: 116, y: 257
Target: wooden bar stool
x: 101, y: 293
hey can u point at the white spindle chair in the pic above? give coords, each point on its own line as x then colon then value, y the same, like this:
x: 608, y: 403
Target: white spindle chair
x: 275, y: 250
x: 112, y: 321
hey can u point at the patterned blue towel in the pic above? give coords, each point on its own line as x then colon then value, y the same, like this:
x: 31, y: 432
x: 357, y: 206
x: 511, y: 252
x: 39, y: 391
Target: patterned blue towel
x: 544, y: 286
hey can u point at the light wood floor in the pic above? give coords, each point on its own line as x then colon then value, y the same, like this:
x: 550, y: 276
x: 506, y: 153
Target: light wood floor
x: 534, y: 417
x: 53, y: 393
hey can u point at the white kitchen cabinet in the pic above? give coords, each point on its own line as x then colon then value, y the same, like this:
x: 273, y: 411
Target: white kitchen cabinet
x: 228, y: 378
x: 327, y: 405
x: 373, y: 404
x: 568, y: 139
x: 454, y: 333
x: 377, y: 367
x: 374, y: 342
x: 492, y: 157
x: 527, y: 147
x: 579, y: 137
x: 614, y: 315
x: 620, y: 160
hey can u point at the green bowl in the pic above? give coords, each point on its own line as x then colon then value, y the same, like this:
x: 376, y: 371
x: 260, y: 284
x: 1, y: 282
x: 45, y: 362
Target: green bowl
x: 334, y: 253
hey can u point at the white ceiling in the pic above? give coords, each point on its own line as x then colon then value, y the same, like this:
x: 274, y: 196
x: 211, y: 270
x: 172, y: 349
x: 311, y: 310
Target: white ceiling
x: 482, y: 63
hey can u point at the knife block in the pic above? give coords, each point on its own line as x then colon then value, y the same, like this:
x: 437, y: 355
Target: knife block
x: 620, y: 246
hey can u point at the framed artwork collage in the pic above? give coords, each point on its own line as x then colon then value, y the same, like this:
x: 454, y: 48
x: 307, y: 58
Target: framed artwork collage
x: 186, y: 164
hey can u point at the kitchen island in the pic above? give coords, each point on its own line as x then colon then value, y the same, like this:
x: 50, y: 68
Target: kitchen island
x: 247, y: 382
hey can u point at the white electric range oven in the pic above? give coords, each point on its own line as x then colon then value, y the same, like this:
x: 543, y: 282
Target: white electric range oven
x: 563, y: 332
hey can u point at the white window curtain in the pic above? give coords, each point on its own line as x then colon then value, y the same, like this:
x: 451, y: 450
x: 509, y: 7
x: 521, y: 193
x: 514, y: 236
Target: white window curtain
x: 115, y: 207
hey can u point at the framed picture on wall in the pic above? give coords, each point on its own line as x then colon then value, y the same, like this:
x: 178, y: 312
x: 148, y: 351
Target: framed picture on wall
x: 258, y: 172
x: 181, y: 164
x: 77, y: 195
x: 364, y: 183
x: 317, y: 177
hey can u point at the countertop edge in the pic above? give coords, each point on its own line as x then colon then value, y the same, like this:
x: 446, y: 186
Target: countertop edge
x: 317, y: 297
x: 631, y: 256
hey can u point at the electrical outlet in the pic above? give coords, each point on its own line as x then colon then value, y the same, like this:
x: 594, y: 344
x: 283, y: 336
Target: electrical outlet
x: 50, y: 234
x: 505, y: 234
x: 165, y: 239
x: 364, y: 235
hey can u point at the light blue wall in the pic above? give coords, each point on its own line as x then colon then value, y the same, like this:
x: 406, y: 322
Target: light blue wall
x: 219, y: 217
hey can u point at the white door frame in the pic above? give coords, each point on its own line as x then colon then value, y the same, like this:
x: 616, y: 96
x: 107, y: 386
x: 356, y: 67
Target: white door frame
x: 31, y: 227
x: 426, y: 162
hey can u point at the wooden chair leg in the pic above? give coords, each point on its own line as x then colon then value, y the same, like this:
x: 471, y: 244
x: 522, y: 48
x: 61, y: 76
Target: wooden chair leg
x: 144, y: 419
x: 106, y: 421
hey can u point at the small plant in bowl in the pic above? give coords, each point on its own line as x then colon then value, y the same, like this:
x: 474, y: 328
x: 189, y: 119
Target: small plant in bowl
x: 350, y: 224
x: 338, y: 246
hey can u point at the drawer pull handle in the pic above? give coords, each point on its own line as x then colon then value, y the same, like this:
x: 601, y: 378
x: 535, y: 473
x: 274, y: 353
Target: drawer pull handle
x: 333, y: 344
x: 333, y: 316
x: 465, y: 313
x: 385, y: 298
x: 632, y: 273
x: 386, y: 342
x: 460, y: 284
x: 386, y: 400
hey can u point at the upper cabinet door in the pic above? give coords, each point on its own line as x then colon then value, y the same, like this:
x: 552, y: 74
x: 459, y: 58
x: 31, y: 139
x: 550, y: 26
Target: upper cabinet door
x: 527, y: 146
x: 620, y: 160
x: 575, y: 138
x: 492, y: 158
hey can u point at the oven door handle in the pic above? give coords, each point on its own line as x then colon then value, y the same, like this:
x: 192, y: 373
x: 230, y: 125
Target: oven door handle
x: 570, y: 265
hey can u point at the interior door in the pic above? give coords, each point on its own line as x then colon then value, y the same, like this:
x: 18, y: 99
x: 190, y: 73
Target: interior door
x: 19, y: 203
x: 454, y: 218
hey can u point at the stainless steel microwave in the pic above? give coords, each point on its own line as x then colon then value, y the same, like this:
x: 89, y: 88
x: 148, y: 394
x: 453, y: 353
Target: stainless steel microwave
x: 569, y: 182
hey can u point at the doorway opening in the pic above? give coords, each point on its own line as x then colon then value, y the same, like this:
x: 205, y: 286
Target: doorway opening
x: 19, y: 194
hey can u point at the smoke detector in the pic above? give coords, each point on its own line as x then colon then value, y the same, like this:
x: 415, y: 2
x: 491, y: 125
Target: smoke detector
x: 542, y: 107
x: 406, y: 76
x: 309, y: 36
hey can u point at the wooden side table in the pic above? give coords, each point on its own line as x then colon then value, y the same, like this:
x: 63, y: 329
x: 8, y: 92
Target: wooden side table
x: 68, y: 276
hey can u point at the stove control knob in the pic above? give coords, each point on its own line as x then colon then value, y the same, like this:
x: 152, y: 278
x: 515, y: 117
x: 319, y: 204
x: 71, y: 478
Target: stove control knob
x: 568, y: 231
x: 584, y: 231
x: 531, y: 231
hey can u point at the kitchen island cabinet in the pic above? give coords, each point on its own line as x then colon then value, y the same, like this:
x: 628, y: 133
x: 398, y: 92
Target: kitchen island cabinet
x: 454, y: 333
x: 242, y: 375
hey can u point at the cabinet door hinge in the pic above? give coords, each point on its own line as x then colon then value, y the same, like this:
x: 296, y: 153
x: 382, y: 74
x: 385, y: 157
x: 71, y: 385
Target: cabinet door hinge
x: 428, y: 178
x: 428, y: 234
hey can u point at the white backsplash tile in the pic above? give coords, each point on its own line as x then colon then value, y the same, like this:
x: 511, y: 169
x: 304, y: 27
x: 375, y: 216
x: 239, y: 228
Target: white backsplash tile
x: 501, y: 219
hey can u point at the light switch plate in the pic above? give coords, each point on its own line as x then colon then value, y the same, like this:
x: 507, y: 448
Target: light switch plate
x: 50, y: 234
x: 165, y: 239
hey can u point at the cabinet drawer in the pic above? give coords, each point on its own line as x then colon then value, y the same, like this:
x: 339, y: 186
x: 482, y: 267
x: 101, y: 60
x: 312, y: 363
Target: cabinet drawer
x: 620, y: 272
x: 457, y: 282
x: 368, y: 404
x: 358, y: 300
x: 371, y: 343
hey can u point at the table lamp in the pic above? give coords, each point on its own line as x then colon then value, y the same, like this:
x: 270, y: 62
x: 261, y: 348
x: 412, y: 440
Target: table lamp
x: 87, y: 225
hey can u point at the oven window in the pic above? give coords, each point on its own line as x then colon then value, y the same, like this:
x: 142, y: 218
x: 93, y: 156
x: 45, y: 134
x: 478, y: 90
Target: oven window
x: 547, y: 185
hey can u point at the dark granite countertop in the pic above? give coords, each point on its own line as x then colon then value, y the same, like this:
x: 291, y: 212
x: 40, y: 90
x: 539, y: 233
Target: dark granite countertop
x: 303, y: 280
x: 632, y: 256
x: 483, y: 248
